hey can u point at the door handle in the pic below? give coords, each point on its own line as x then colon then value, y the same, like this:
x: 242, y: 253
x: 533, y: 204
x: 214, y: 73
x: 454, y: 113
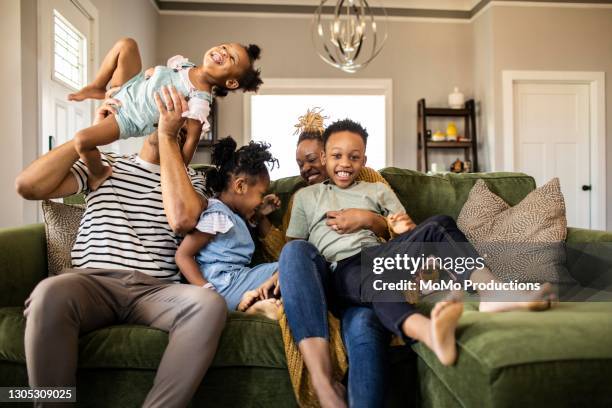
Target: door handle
x: 586, y: 187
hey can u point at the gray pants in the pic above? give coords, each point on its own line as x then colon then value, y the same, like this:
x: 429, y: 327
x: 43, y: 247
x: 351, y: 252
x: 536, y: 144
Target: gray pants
x: 81, y: 300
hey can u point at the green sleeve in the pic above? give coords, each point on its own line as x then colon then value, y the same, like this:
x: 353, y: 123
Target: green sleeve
x: 388, y: 201
x: 298, y: 224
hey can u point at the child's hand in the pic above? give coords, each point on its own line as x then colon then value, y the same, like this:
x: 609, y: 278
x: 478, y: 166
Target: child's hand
x: 149, y: 72
x: 271, y: 285
x: 107, y: 108
x: 348, y: 220
x: 170, y: 111
x: 269, y: 204
x: 400, y: 223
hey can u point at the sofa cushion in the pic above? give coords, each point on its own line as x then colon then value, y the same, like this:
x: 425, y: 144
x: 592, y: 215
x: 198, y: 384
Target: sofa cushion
x: 246, y: 341
x: 507, y: 359
x: 423, y: 196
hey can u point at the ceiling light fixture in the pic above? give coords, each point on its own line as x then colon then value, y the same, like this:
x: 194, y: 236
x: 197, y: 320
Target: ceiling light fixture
x: 349, y: 38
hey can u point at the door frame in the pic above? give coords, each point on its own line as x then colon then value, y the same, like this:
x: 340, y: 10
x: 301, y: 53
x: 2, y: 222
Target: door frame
x: 91, y: 12
x: 597, y: 122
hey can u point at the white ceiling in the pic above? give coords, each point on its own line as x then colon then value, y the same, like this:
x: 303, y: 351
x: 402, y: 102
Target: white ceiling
x: 413, y: 4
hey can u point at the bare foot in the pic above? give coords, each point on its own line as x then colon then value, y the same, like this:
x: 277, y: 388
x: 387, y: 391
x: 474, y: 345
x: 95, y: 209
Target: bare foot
x: 540, y: 300
x: 248, y: 298
x: 93, y: 181
x: 331, y: 395
x: 267, y: 307
x: 444, y: 318
x: 88, y: 92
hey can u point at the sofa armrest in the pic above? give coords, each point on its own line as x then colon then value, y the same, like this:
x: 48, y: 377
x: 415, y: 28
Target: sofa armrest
x: 589, y: 257
x: 580, y: 235
x: 23, y: 262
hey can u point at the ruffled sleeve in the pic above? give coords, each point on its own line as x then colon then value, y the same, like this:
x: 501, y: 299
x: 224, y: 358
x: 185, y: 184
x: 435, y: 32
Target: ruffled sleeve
x: 177, y: 62
x: 214, y: 222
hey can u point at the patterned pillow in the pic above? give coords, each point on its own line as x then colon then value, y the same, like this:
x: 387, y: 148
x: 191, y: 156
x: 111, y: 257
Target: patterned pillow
x: 61, y: 226
x: 524, y: 242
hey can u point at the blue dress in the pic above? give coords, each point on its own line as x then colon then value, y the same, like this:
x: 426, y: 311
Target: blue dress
x: 223, y: 262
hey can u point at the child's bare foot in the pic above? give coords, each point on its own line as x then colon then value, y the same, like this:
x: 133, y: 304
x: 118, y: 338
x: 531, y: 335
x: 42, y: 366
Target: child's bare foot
x: 87, y: 92
x: 331, y: 395
x: 248, y: 298
x: 267, y: 307
x: 541, y: 300
x: 444, y: 318
x: 94, y: 181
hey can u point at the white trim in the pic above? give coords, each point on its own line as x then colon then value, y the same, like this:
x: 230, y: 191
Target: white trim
x: 327, y: 86
x: 597, y: 110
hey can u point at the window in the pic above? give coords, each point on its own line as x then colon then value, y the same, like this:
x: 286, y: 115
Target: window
x: 69, y: 53
x: 273, y: 116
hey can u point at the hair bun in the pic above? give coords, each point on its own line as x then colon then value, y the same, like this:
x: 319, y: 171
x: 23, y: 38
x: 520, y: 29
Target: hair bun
x: 223, y: 151
x: 311, y: 122
x: 254, y: 51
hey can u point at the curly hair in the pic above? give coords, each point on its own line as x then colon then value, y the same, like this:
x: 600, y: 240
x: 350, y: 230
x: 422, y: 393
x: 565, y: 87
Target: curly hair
x: 311, y: 126
x: 251, y: 160
x: 345, y: 125
x: 251, y: 79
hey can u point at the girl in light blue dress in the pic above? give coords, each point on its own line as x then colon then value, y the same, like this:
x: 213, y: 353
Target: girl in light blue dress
x: 224, y: 68
x: 217, y: 254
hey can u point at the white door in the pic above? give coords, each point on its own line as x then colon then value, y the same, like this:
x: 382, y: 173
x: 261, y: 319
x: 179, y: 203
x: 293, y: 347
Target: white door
x: 65, y: 62
x: 552, y: 139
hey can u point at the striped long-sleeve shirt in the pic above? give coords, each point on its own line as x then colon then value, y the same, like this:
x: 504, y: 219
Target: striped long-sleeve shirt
x: 124, y: 225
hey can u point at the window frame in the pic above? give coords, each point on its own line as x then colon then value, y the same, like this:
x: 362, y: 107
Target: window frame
x: 83, y: 52
x: 327, y: 86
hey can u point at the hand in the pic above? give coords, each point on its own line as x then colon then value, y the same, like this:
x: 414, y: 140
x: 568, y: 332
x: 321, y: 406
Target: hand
x: 109, y: 94
x: 400, y: 223
x: 349, y: 220
x: 170, y: 111
x: 149, y: 72
x: 271, y: 285
x: 270, y: 203
x: 108, y: 107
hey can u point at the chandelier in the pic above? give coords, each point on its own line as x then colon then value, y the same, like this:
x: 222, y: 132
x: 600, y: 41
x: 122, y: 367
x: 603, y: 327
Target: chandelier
x: 349, y: 38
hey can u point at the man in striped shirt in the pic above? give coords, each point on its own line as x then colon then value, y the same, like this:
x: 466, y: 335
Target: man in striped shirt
x: 123, y: 260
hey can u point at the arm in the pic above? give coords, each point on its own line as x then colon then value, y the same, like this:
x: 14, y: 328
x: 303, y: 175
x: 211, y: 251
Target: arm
x: 182, y: 204
x: 185, y: 256
x: 49, y: 176
x: 355, y: 219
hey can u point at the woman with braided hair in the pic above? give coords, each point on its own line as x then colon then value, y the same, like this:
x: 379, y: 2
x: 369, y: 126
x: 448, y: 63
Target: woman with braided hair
x: 216, y: 254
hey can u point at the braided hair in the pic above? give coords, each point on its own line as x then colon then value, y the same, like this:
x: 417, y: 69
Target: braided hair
x: 251, y: 160
x: 251, y: 79
x: 311, y: 126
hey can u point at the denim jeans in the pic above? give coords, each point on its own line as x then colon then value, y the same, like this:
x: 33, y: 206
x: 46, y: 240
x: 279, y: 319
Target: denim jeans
x: 304, y: 279
x: 310, y: 289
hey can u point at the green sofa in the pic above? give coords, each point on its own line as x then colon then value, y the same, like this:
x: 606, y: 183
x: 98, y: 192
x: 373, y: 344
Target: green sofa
x: 561, y: 357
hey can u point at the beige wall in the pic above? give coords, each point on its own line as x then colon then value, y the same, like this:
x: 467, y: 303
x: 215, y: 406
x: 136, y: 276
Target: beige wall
x: 555, y: 39
x: 423, y: 59
x: 137, y: 19
x: 11, y: 142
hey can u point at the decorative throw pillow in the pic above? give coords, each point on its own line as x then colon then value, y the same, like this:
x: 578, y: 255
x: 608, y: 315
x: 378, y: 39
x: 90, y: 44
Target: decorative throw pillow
x: 61, y: 226
x: 524, y: 242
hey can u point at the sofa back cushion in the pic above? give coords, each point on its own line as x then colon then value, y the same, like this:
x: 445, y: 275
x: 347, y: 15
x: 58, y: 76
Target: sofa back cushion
x: 424, y: 196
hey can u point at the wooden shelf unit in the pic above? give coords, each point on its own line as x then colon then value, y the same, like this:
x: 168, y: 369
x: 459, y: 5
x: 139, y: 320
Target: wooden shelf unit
x: 469, y: 147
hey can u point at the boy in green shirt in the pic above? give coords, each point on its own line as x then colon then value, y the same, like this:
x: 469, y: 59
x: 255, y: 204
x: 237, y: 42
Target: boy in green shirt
x: 327, y: 268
